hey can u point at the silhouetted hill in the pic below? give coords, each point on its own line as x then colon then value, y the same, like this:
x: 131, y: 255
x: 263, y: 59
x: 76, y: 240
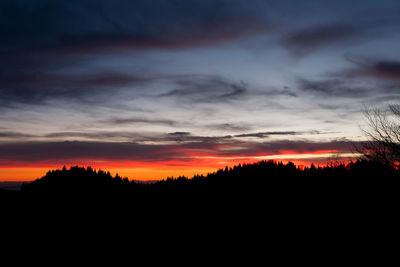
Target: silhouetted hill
x: 76, y: 179
x: 265, y: 177
x: 267, y: 195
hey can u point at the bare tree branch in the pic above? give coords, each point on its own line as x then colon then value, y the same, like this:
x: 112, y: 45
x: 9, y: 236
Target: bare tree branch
x: 383, y: 134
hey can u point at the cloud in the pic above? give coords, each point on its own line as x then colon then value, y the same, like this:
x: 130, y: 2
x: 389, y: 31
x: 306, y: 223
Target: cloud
x: 287, y: 91
x: 339, y: 25
x: 94, y: 135
x: 100, y: 135
x: 181, y: 138
x: 336, y: 87
x: 188, y: 137
x: 88, y: 26
x: 387, y: 69
x: 308, y: 40
x: 35, y: 152
x: 89, y: 80
x: 8, y: 134
x: 206, y: 88
x: 372, y: 67
x: 287, y: 146
x: 45, y: 151
x: 229, y: 127
x: 140, y: 121
x: 37, y: 88
x: 353, y: 82
x: 268, y: 134
x: 43, y: 40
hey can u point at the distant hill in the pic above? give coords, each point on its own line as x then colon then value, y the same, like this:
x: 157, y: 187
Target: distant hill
x: 262, y: 175
x: 14, y: 186
x: 284, y: 192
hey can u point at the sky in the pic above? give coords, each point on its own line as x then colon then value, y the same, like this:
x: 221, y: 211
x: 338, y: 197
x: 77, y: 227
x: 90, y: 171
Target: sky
x: 157, y: 88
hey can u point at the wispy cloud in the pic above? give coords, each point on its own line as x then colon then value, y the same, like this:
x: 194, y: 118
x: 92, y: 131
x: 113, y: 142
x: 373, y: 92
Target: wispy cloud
x: 13, y: 135
x: 229, y: 127
x: 206, y: 88
x: 268, y: 134
x: 336, y: 87
x: 132, y: 121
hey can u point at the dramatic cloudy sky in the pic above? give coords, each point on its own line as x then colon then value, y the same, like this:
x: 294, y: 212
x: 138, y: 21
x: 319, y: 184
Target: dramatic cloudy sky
x: 152, y: 88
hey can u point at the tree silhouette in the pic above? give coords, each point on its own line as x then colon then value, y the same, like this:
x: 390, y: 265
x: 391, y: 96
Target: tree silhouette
x: 383, y: 134
x: 268, y: 180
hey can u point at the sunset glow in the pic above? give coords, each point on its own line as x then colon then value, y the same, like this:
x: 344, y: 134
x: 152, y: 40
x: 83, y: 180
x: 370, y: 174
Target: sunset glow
x: 160, y: 88
x: 147, y: 171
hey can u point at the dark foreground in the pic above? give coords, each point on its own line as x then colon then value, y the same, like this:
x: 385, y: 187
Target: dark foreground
x: 268, y: 183
x: 271, y: 208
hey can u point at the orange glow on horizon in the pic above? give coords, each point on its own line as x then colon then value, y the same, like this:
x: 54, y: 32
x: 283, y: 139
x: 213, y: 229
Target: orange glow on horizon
x: 200, y: 164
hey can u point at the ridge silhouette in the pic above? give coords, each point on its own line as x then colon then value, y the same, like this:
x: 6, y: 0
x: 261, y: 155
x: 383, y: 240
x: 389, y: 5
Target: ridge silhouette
x: 262, y: 178
x: 266, y: 196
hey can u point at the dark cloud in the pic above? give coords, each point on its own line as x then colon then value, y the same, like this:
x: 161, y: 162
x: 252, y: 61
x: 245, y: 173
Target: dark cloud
x: 33, y: 152
x: 44, y: 151
x: 310, y: 39
x: 229, y: 127
x: 288, y: 91
x: 180, y: 134
x: 187, y: 137
x: 288, y: 146
x: 335, y: 87
x: 89, y: 26
x: 237, y: 90
x: 379, y: 68
x: 37, y: 88
x: 216, y: 88
x: 206, y: 88
x: 140, y: 137
x: 330, y: 107
x: 14, y: 135
x: 43, y: 40
x: 34, y: 88
x: 95, y: 135
x: 44, y: 80
x: 140, y: 121
x: 388, y: 69
x: 282, y: 133
x: 267, y: 134
x: 338, y: 25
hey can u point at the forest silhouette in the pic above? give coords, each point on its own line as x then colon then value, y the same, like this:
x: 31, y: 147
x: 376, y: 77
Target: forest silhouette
x: 264, y: 178
x: 265, y: 193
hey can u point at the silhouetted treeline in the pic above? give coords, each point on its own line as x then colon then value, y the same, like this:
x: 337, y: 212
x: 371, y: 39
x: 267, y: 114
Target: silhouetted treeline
x: 265, y: 176
x: 262, y: 192
x: 76, y: 179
